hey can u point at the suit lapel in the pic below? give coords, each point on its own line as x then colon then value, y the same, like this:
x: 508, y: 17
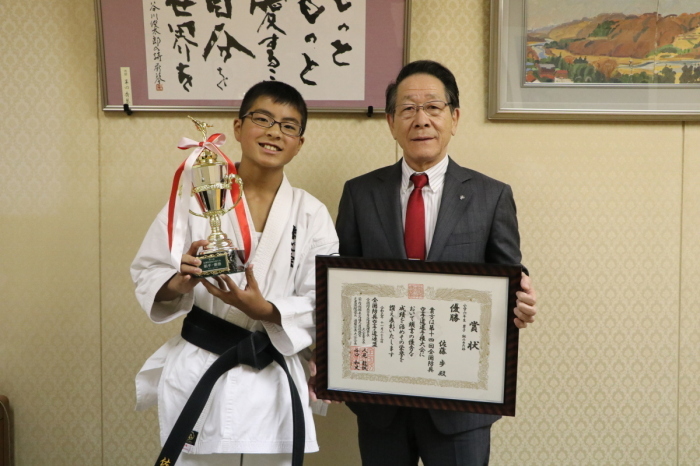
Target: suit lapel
x: 388, y: 203
x: 456, y: 194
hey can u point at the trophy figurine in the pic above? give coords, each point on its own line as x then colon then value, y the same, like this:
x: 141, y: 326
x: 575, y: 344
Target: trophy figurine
x: 210, y: 184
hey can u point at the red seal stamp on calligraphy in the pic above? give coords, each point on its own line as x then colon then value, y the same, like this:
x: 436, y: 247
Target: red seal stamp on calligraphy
x: 415, y: 291
x: 362, y: 358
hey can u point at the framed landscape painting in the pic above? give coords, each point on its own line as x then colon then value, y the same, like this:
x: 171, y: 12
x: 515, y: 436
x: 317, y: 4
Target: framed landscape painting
x: 598, y: 59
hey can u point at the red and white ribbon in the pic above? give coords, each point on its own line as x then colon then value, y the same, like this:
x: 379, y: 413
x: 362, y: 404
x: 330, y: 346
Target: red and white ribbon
x: 178, y: 206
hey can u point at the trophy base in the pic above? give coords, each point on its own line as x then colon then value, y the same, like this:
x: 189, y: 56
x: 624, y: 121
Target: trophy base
x: 221, y: 262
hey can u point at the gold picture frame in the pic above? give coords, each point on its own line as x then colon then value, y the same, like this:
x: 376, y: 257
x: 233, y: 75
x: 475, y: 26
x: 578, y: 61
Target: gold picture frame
x: 512, y: 97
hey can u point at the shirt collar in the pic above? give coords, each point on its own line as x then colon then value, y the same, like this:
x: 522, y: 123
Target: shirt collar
x: 436, y: 174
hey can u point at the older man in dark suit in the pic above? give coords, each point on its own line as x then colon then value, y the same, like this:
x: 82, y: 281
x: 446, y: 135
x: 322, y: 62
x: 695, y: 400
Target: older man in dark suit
x: 429, y: 208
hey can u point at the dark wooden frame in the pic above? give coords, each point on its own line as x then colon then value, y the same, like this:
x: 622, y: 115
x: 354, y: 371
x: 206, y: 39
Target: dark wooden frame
x: 513, y: 272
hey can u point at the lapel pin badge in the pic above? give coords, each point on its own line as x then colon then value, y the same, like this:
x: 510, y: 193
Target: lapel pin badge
x: 461, y: 198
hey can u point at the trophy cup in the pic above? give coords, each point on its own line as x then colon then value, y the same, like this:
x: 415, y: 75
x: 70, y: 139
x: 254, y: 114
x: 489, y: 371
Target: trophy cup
x: 210, y: 185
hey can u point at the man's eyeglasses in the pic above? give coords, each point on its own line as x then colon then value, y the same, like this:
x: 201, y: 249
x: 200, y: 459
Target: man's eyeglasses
x: 433, y: 108
x: 266, y: 121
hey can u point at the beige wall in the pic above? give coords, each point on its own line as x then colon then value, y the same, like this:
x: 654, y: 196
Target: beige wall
x: 609, y: 216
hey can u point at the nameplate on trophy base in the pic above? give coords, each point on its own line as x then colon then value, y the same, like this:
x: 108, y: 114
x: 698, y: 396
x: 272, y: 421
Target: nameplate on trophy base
x: 222, y: 262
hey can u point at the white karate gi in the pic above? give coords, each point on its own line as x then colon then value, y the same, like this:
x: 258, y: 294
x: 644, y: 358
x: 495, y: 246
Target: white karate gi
x: 249, y: 411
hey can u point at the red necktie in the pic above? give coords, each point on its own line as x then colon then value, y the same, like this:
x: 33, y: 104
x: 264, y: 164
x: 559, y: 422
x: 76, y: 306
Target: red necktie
x: 414, y: 233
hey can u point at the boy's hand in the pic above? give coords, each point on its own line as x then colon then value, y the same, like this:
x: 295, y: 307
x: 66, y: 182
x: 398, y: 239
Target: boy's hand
x: 249, y: 300
x: 183, y: 282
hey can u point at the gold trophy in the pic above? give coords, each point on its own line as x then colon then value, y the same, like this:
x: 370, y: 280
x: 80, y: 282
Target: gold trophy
x: 210, y: 185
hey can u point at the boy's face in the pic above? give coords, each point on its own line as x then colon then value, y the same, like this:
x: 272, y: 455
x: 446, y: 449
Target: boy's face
x: 268, y: 147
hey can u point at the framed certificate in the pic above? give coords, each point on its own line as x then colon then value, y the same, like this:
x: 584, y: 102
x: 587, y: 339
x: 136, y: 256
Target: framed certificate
x: 434, y: 335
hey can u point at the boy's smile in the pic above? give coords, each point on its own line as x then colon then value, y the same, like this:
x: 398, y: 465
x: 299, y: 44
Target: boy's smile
x: 270, y: 147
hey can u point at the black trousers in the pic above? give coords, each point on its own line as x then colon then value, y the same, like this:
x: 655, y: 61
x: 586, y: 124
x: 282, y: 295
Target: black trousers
x: 412, y: 435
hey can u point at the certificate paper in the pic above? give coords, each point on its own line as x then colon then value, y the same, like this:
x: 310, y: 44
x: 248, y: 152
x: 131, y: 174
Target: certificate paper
x: 418, y: 335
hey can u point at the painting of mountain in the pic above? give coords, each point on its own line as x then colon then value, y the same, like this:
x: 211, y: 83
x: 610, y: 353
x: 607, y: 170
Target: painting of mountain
x: 597, y: 42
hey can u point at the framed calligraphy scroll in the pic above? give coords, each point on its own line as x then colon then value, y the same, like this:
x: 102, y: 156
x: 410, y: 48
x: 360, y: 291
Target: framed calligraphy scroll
x: 204, y: 54
x: 434, y: 335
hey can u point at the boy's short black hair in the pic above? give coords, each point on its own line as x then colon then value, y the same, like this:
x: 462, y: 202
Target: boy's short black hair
x: 432, y: 68
x: 280, y: 93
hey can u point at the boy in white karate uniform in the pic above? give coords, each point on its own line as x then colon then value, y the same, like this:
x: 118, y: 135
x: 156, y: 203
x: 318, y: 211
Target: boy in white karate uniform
x: 249, y: 411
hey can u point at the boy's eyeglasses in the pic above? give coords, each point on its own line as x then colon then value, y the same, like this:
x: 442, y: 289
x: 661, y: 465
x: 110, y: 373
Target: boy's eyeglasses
x: 266, y: 121
x: 433, y: 108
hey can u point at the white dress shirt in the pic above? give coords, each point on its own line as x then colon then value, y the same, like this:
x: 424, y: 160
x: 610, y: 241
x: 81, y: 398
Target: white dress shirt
x: 432, y: 193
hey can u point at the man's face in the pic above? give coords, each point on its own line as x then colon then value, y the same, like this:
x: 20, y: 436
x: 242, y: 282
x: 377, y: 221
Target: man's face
x: 423, y: 138
x: 268, y: 147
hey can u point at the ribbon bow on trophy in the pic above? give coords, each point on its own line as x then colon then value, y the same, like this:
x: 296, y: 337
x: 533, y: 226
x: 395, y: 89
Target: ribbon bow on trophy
x: 212, y: 143
x: 211, y: 179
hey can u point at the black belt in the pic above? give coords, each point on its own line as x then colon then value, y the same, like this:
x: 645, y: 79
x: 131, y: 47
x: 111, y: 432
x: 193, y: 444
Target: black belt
x: 235, y: 345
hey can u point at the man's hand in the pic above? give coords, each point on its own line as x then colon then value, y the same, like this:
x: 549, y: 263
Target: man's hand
x: 312, y: 381
x: 183, y: 282
x: 525, y: 308
x: 249, y: 300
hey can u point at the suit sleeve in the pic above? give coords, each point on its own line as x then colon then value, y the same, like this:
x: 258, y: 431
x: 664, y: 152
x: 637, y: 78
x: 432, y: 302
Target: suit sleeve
x: 346, y: 225
x: 504, y: 239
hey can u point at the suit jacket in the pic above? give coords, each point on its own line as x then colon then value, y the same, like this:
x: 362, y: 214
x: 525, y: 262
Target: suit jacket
x: 476, y: 223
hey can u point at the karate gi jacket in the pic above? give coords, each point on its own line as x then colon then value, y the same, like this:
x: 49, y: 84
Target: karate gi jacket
x: 249, y: 411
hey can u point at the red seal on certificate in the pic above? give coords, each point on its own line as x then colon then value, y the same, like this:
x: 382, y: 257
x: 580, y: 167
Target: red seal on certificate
x: 362, y: 358
x: 415, y: 291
